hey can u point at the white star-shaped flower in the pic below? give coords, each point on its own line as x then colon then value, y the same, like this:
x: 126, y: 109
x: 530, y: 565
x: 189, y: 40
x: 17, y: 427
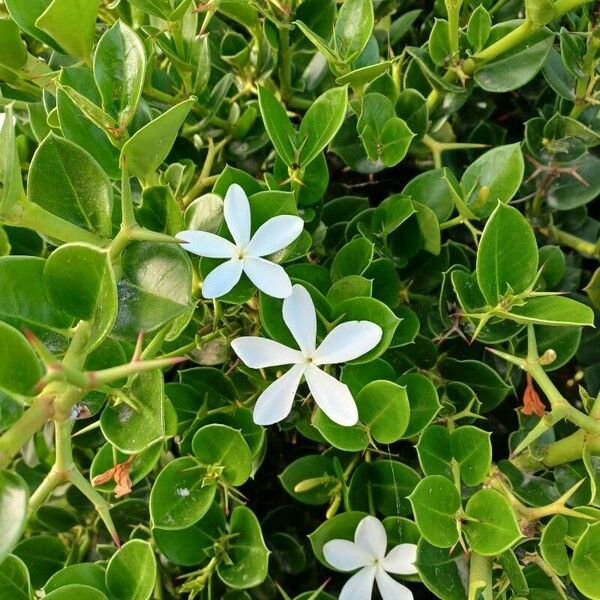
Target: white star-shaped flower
x: 367, y: 553
x: 246, y: 254
x: 346, y: 341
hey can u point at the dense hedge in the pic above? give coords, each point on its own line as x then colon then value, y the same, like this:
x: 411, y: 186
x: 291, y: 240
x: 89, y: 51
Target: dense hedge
x: 297, y: 299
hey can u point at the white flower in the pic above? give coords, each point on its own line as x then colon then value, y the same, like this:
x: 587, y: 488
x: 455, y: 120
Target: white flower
x: 247, y: 252
x: 367, y: 553
x: 345, y: 342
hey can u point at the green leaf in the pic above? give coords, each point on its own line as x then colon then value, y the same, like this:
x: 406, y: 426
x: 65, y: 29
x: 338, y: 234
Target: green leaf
x: 316, y: 473
x: 319, y: 43
x: 76, y: 590
x: 11, y: 183
x: 181, y: 494
x: 72, y: 23
x: 385, y: 136
x: 353, y: 28
x: 155, y: 287
x: 25, y: 13
x: 507, y: 258
x: 278, y: 126
x: 436, y: 503
x: 147, y: 418
x: 489, y: 387
x: 90, y: 574
x: 320, y: 123
x: 194, y: 544
x: 478, y: 29
x: 552, y: 310
x: 472, y: 449
x: 423, y: 401
x: 430, y: 228
x: 520, y: 64
x: 351, y: 439
x: 19, y: 367
x: 148, y: 147
x: 552, y: 544
x: 248, y: 556
x: 43, y: 555
x: 434, y: 452
x: 79, y: 279
x: 131, y: 572
x: 492, y: 527
x: 119, y: 71
x: 494, y: 177
x: 584, y: 568
x: 443, y: 572
x: 14, y: 579
x: 352, y: 259
x: 383, y: 407
x: 14, y: 496
x: 27, y: 305
x: 439, y: 44
x: 226, y: 447
x: 65, y: 180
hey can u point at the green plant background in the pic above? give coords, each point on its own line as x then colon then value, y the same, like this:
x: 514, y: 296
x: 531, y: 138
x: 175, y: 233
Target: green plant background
x: 443, y: 158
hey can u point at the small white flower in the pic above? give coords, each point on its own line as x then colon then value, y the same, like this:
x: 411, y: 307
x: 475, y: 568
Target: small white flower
x: 345, y: 342
x: 247, y: 252
x: 367, y: 553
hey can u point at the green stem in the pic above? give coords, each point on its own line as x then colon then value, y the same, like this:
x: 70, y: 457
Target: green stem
x: 285, y: 65
x: 453, y: 9
x: 32, y: 216
x: 29, y: 423
x: 572, y: 241
x: 480, y: 577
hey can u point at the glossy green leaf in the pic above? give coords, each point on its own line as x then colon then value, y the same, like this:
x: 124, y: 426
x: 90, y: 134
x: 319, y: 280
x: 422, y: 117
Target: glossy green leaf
x: 224, y: 446
x: 65, y: 180
x: 352, y: 259
x: 278, y: 126
x: 384, y: 408
x: 248, y: 555
x: 76, y: 40
x: 472, y: 450
x: 492, y: 526
x: 584, y: 568
x: 442, y: 571
x: 553, y: 311
x: 119, y: 70
x: 14, y: 579
x: 436, y: 503
x: 14, y: 495
x: 11, y: 184
x: 148, y: 147
x: 478, y: 29
x: 131, y: 572
x: 552, y: 544
x: 76, y: 590
x: 19, y: 367
x: 79, y: 279
x: 181, y: 494
x: 145, y: 419
x: 43, y: 555
x: 494, y: 177
x: 507, y: 258
x: 321, y: 122
x: 353, y: 28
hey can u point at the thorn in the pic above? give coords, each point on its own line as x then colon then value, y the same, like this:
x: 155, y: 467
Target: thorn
x: 139, y: 346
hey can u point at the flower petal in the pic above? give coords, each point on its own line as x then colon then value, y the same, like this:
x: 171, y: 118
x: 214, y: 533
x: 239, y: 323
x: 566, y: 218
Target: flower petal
x: 268, y: 276
x: 390, y: 589
x: 348, y: 341
x: 300, y: 317
x: 401, y: 559
x: 370, y: 535
x: 332, y: 397
x: 206, y: 244
x: 237, y: 214
x: 222, y: 278
x: 258, y: 352
x: 275, y: 403
x: 360, y: 585
x: 345, y: 555
x: 275, y: 234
